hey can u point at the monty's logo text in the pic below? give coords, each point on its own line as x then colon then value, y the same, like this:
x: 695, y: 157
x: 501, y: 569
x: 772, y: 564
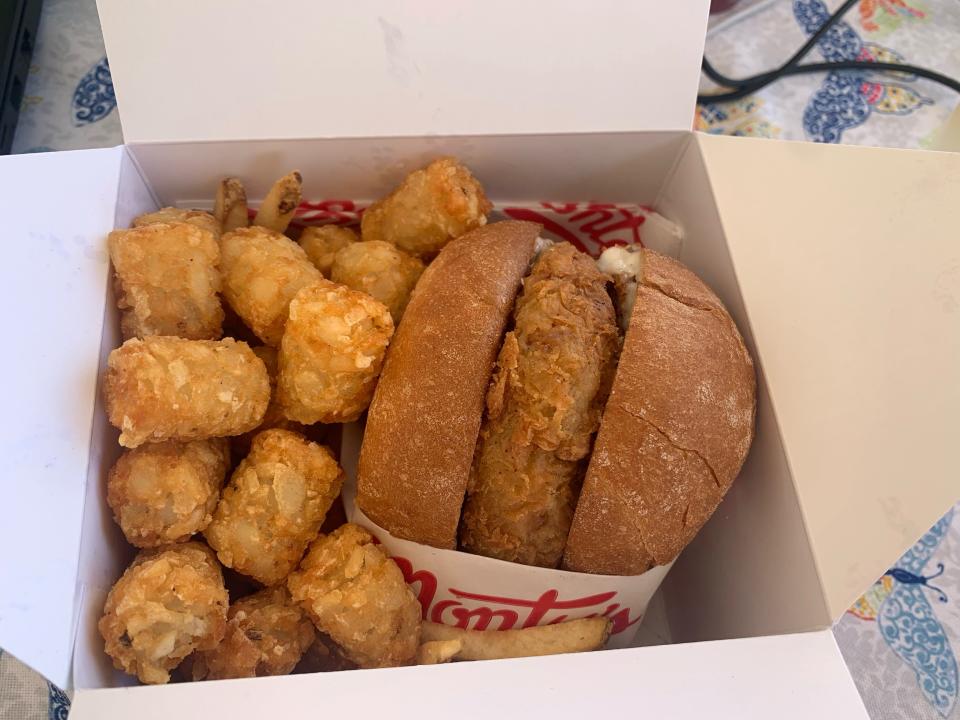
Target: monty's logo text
x: 481, y: 612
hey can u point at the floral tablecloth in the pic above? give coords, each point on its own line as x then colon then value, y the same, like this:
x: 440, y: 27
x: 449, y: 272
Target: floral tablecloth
x: 901, y: 638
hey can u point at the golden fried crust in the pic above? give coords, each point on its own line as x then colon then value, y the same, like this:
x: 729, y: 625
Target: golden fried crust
x: 167, y: 281
x: 273, y: 417
x: 551, y: 382
x: 428, y: 209
x: 197, y: 218
x: 165, y: 492
x: 266, y: 634
x: 356, y: 595
x: 169, y: 602
x: 322, y: 244
x: 425, y: 416
x: 167, y: 388
x: 331, y: 353
x: 274, y: 505
x: 262, y: 271
x: 675, y: 431
x: 324, y: 656
x: 380, y: 270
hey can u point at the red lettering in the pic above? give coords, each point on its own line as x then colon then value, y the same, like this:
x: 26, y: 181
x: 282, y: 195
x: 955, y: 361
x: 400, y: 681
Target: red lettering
x: 436, y: 615
x: 551, y: 226
x: 549, y: 597
x: 620, y: 619
x: 484, y: 615
x: 427, y: 580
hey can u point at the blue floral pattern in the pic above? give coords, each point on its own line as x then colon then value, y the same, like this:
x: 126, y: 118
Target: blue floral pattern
x: 910, y: 627
x: 59, y: 703
x: 847, y: 98
x: 94, y: 98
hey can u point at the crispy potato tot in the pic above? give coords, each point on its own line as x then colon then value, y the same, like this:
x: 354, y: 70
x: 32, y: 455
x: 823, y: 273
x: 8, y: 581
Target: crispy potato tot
x: 436, y: 652
x: 276, y: 210
x: 428, y: 209
x: 262, y: 271
x: 198, y: 218
x: 167, y: 388
x: 567, y: 637
x: 167, y: 281
x: 274, y: 505
x: 169, y: 602
x: 331, y: 353
x: 230, y: 205
x: 380, y: 270
x: 266, y: 634
x: 322, y: 243
x: 274, y: 417
x: 165, y: 492
x: 356, y: 594
x: 324, y: 656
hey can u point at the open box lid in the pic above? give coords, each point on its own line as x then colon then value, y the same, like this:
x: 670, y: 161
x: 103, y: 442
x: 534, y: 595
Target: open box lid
x: 54, y: 276
x: 186, y: 70
x: 848, y: 262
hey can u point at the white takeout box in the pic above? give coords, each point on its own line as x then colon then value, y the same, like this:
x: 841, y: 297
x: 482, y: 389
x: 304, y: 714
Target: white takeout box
x: 840, y: 265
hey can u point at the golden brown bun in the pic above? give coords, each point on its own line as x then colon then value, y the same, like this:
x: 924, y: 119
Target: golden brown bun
x: 423, y: 423
x: 676, y: 429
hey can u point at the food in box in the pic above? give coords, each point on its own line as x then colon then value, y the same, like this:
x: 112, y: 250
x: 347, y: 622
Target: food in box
x: 545, y: 432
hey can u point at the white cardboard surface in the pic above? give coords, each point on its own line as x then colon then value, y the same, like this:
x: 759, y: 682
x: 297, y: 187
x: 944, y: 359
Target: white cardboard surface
x: 849, y: 266
x: 104, y: 552
x: 221, y: 70
x: 56, y: 210
x: 624, y: 167
x: 791, y: 677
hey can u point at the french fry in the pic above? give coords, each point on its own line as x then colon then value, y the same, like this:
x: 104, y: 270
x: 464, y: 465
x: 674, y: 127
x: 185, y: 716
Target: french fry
x: 567, y: 637
x: 230, y: 207
x: 278, y: 206
x: 436, y: 652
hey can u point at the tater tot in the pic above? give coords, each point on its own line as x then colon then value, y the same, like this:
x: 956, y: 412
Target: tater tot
x: 428, y: 209
x: 322, y: 243
x: 262, y: 271
x: 167, y: 388
x: 274, y: 417
x: 356, y: 594
x: 380, y: 270
x: 267, y: 634
x: 331, y: 353
x: 198, y: 218
x: 274, y: 505
x: 165, y: 492
x: 169, y: 602
x: 323, y: 656
x: 167, y: 281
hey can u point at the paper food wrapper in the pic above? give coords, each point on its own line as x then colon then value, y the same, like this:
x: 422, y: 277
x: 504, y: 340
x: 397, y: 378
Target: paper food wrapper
x: 480, y: 593
x: 471, y: 591
x: 590, y: 226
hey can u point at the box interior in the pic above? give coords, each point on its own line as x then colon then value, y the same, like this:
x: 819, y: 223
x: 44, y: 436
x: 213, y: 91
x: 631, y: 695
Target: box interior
x: 756, y: 537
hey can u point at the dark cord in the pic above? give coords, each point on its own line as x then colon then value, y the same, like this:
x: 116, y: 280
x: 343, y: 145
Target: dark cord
x: 721, y: 79
x: 750, y: 85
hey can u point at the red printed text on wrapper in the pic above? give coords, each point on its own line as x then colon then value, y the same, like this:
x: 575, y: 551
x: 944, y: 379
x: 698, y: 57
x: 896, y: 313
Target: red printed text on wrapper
x: 478, y: 611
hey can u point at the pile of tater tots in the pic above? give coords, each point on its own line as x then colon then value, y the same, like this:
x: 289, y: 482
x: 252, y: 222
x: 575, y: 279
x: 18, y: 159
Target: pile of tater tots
x: 244, y: 350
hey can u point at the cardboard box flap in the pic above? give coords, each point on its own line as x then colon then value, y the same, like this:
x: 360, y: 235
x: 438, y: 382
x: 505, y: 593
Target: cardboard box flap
x: 185, y: 70
x: 789, y: 677
x: 53, y: 274
x: 849, y: 266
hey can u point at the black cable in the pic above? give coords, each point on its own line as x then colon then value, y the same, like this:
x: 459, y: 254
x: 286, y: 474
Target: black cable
x: 830, y: 67
x: 750, y: 85
x: 812, y: 41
